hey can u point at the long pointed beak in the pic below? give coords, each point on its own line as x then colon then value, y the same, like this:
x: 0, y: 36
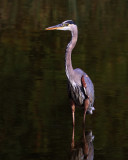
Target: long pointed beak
x: 59, y: 26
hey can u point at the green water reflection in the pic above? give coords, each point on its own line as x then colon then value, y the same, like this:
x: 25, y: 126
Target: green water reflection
x: 35, y: 116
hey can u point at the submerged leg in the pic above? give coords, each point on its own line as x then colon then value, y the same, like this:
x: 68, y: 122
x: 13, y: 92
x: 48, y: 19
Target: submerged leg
x: 73, y: 112
x: 86, y: 104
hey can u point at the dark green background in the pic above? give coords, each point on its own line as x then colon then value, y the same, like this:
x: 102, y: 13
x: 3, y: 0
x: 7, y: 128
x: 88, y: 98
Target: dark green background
x: 35, y: 115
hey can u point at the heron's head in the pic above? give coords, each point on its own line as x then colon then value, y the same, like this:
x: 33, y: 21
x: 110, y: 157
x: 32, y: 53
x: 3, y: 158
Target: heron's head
x: 66, y: 25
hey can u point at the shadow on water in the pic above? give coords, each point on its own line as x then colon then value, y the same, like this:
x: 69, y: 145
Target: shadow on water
x: 83, y: 149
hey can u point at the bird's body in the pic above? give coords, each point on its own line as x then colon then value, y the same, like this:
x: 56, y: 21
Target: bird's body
x: 78, y: 93
x: 80, y: 86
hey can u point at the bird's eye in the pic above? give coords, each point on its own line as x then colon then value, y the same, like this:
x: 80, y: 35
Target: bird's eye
x: 65, y: 24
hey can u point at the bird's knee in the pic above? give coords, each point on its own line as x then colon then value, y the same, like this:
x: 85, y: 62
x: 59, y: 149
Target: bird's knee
x: 73, y: 106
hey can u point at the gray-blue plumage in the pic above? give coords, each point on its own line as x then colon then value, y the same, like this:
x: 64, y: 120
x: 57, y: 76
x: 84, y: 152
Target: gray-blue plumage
x: 78, y: 93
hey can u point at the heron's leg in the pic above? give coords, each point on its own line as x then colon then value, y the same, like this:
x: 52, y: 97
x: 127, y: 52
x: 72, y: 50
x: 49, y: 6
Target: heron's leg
x: 73, y: 142
x: 86, y: 104
x: 73, y: 112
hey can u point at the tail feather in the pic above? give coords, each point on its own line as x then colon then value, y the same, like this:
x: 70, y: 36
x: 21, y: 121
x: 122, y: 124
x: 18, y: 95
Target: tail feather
x: 90, y: 110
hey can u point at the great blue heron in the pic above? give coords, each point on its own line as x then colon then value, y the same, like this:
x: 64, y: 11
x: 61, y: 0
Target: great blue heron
x: 80, y: 86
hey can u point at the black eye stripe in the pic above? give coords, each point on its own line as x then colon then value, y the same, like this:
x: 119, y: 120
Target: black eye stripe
x: 69, y: 22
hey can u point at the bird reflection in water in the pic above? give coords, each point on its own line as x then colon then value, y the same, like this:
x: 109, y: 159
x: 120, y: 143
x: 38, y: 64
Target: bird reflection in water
x: 84, y: 149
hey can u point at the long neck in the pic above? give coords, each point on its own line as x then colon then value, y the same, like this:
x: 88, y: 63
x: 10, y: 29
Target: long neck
x: 70, y: 46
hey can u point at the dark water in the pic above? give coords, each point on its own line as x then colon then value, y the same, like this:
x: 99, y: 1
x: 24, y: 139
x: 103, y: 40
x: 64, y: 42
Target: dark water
x: 35, y: 115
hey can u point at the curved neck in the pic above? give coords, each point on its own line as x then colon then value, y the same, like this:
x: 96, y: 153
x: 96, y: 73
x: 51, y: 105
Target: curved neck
x: 70, y: 46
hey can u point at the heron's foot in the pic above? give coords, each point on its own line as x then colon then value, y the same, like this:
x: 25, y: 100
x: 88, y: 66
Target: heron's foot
x: 83, y: 82
x: 73, y: 112
x: 86, y: 104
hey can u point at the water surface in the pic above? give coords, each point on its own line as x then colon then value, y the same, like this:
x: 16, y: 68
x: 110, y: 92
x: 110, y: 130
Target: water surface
x: 35, y: 115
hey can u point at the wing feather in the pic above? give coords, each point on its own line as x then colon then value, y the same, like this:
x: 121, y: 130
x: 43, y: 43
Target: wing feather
x: 89, y: 90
